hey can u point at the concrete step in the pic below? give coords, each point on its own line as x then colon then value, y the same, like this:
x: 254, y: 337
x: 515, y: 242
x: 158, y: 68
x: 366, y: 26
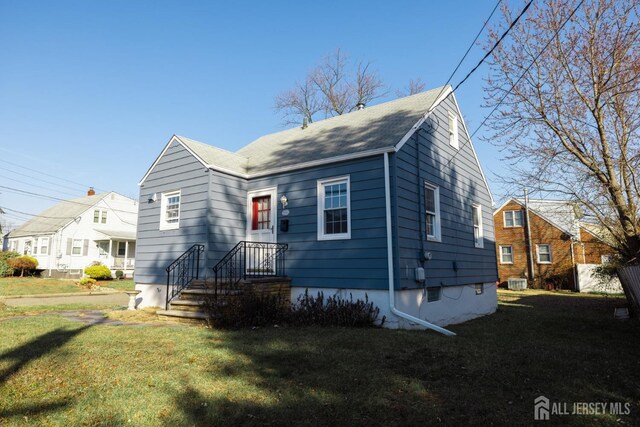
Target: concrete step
x: 186, y: 305
x: 182, y: 314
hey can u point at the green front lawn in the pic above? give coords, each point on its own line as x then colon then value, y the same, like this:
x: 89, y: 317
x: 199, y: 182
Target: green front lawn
x: 566, y: 347
x: 12, y: 286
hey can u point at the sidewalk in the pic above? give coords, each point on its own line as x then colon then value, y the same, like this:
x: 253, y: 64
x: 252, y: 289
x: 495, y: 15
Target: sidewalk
x: 100, y: 297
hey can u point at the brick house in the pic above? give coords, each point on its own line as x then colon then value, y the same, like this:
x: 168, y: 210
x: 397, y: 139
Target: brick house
x: 559, y: 241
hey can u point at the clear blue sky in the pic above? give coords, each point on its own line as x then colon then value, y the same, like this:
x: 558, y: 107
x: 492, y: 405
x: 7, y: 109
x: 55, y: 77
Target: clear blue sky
x: 91, y: 91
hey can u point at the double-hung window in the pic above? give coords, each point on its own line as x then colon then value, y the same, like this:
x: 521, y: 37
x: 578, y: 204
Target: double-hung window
x: 334, y: 208
x: 99, y: 216
x: 432, y: 211
x: 170, y: 210
x: 512, y: 219
x: 544, y: 254
x: 76, y: 248
x: 478, y: 238
x: 44, y: 246
x: 453, y: 130
x: 506, y: 254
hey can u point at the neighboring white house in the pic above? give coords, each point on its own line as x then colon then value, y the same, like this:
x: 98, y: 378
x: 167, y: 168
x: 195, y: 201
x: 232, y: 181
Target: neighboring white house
x: 71, y: 235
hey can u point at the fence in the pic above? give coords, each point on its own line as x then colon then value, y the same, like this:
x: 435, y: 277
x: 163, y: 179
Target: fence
x: 630, y: 279
x: 588, y: 282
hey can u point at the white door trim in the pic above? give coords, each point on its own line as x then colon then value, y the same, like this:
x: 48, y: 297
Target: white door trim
x: 270, y: 191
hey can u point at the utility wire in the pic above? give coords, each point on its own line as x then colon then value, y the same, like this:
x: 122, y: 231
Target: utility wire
x: 496, y: 44
x: 517, y: 81
x: 49, y: 175
x: 44, y: 180
x: 469, y: 48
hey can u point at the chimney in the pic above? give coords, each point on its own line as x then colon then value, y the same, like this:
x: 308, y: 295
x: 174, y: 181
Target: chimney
x: 360, y: 106
x: 91, y: 192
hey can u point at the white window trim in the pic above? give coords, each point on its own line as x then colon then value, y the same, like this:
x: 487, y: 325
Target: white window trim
x: 502, y: 261
x: 73, y: 246
x: 538, y: 254
x: 480, y: 242
x: 454, y: 138
x: 163, y: 210
x: 43, y: 246
x: 320, y: 195
x: 513, y: 216
x: 437, y: 237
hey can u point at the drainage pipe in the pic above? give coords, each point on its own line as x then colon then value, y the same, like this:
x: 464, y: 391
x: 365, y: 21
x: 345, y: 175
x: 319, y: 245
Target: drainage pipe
x: 392, y: 304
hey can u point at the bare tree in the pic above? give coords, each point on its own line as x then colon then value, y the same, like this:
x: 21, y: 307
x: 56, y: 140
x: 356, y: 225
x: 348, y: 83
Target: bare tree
x: 334, y: 87
x: 567, y: 88
x: 414, y: 86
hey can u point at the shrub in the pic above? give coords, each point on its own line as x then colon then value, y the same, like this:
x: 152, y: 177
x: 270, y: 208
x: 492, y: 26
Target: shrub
x: 248, y: 308
x: 119, y: 274
x: 23, y: 263
x: 334, y: 311
x: 5, y: 270
x: 98, y: 271
x: 87, y: 282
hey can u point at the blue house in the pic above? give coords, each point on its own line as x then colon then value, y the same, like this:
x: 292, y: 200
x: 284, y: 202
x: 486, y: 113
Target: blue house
x: 388, y: 201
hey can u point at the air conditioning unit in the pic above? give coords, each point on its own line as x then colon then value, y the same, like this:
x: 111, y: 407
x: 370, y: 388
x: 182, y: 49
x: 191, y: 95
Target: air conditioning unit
x: 517, y: 284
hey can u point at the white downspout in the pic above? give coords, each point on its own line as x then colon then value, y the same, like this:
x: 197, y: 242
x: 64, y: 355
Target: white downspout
x: 392, y: 304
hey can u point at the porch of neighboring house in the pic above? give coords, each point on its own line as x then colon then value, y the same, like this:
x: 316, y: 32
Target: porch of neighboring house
x: 117, y: 251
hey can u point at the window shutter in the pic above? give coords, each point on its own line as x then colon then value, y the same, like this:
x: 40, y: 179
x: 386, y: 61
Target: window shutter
x: 85, y: 247
x: 50, y: 244
x: 69, y: 243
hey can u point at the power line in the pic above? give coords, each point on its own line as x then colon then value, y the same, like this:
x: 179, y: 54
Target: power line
x: 32, y: 194
x: 469, y: 48
x: 43, y: 188
x: 496, y: 44
x: 49, y: 175
x: 518, y: 80
x: 44, y: 180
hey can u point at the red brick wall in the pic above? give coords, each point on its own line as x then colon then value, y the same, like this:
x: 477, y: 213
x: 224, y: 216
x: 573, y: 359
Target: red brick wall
x: 593, y: 248
x: 558, y: 274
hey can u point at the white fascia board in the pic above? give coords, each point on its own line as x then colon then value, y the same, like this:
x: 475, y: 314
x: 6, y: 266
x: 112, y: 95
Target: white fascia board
x: 473, y: 150
x: 506, y: 203
x: 176, y: 139
x: 426, y: 115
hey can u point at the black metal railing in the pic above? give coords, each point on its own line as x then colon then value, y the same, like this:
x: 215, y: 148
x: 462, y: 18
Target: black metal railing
x: 183, y: 271
x: 250, y: 260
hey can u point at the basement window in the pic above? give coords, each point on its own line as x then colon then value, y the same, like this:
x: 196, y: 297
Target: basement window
x: 434, y: 294
x: 479, y: 288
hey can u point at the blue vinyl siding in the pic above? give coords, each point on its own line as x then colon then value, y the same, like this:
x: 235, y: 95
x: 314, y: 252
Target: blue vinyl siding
x: 359, y: 262
x: 455, y: 260
x: 177, y: 169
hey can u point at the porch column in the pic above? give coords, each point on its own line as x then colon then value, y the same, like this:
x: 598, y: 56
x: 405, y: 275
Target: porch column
x: 126, y: 254
x: 110, y: 257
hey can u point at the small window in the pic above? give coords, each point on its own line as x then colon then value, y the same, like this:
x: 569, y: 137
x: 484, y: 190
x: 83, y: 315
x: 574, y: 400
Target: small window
x: 122, y: 248
x: 14, y: 246
x: 96, y: 216
x: 479, y: 288
x: 506, y: 254
x: 76, y: 249
x: 35, y: 246
x: 432, y: 211
x: 99, y: 216
x: 607, y: 259
x: 453, y: 130
x: 334, y: 209
x: 104, y: 217
x: 433, y: 294
x: 170, y: 211
x: 478, y: 238
x: 44, y: 246
x: 512, y: 219
x: 544, y: 254
x: 27, y: 248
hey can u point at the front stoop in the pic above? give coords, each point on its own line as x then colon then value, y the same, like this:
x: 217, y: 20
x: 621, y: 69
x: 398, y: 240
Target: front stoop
x: 188, y: 305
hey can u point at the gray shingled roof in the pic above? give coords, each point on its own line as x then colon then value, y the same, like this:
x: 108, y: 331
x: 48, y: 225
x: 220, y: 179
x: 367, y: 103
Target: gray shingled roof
x: 54, y: 218
x: 376, y: 127
x: 560, y: 213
